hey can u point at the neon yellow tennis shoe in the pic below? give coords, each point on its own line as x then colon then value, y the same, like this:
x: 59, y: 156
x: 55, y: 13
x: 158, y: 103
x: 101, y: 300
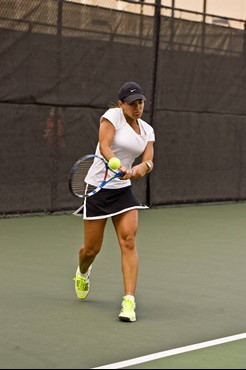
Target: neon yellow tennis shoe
x: 127, y: 312
x: 82, y: 284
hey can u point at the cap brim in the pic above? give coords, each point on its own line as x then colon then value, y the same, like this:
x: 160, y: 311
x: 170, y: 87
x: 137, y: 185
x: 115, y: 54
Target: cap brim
x: 133, y: 97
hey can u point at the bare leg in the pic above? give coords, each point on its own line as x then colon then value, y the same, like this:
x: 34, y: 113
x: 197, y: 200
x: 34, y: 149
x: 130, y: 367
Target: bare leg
x: 126, y: 225
x: 93, y: 238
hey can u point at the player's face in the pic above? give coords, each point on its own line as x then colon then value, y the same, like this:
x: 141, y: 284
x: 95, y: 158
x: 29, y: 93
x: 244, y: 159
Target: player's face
x: 133, y: 110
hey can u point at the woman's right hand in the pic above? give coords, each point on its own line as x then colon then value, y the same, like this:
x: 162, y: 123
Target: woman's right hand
x: 127, y: 173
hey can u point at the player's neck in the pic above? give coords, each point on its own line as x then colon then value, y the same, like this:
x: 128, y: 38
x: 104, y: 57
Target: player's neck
x: 131, y: 121
x: 134, y: 125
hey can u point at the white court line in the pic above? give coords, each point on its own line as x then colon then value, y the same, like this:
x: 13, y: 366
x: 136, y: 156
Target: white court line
x: 171, y: 352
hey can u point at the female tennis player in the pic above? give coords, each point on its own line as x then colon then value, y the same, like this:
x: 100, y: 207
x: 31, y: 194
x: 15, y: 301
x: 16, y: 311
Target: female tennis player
x: 122, y: 134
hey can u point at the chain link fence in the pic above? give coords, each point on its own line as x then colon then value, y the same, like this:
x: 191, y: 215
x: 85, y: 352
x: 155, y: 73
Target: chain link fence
x: 61, y: 64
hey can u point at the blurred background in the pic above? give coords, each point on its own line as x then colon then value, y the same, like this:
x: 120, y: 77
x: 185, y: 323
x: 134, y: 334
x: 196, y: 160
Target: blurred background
x: 61, y: 65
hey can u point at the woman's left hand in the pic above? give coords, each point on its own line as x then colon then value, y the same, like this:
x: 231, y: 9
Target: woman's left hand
x: 138, y: 171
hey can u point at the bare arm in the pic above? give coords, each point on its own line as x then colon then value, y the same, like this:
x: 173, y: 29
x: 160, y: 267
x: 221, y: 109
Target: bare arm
x: 143, y: 168
x: 106, y: 135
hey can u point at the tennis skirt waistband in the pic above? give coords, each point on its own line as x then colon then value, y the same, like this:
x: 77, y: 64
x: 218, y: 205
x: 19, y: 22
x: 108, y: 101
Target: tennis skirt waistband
x: 109, y: 202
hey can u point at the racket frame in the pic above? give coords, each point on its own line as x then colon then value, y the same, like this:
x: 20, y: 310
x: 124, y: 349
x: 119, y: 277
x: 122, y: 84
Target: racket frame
x: 103, y: 183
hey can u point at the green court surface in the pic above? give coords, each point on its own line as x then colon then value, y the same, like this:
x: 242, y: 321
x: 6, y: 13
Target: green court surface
x: 226, y: 356
x: 191, y: 289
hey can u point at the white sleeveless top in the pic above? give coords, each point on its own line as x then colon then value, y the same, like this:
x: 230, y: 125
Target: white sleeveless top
x: 127, y: 145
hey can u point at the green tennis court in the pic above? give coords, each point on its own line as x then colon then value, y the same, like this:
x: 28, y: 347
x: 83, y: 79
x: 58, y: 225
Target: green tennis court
x: 226, y: 356
x: 191, y: 289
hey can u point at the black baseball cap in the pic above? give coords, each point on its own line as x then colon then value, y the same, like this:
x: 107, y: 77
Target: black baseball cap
x: 131, y: 91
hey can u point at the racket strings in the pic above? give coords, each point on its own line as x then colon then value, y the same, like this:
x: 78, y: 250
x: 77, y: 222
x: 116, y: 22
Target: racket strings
x: 79, y: 186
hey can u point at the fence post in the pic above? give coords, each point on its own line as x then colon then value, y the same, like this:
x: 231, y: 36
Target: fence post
x: 172, y: 24
x: 156, y: 39
x: 244, y: 39
x: 55, y: 148
x: 204, y: 24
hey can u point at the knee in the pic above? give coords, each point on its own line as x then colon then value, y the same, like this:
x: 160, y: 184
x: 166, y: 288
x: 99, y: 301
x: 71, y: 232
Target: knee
x: 89, y: 251
x: 128, y: 242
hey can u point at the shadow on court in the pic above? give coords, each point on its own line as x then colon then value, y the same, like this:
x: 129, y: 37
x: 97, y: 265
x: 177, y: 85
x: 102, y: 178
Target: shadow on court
x: 191, y: 288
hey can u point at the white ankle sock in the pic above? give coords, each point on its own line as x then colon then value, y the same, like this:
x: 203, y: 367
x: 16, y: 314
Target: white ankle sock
x: 130, y: 296
x: 83, y: 275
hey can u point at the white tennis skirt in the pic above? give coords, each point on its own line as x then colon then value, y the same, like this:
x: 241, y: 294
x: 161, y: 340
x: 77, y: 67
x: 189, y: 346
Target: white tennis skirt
x: 109, y: 202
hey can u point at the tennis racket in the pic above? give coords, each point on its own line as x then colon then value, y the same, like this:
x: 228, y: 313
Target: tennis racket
x: 78, y: 173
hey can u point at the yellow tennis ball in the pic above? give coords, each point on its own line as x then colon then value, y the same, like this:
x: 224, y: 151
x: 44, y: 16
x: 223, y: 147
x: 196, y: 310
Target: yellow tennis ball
x: 114, y: 163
